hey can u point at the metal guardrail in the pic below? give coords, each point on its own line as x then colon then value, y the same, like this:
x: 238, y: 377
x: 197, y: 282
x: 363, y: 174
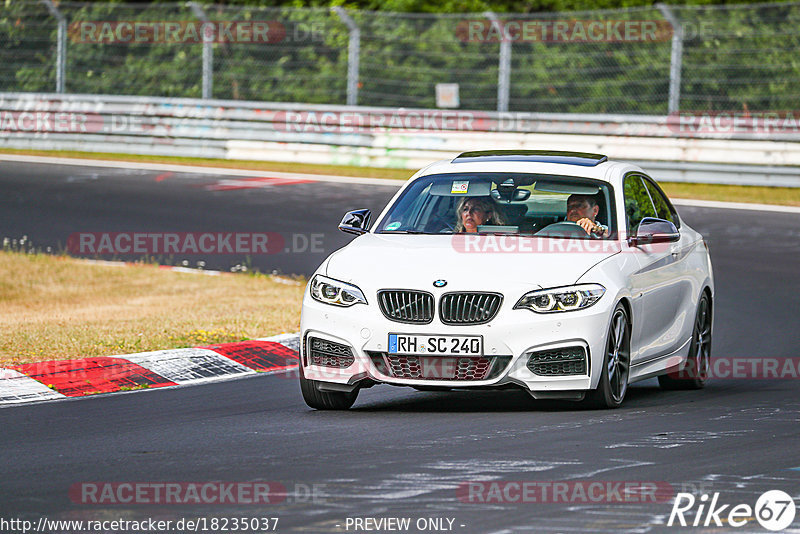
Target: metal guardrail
x: 384, y: 137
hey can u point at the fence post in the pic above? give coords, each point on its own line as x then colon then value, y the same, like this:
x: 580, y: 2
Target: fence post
x: 208, y: 51
x: 61, y: 45
x: 353, y: 53
x: 504, y: 66
x: 676, y: 58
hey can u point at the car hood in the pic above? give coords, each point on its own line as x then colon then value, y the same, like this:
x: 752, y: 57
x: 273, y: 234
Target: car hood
x: 375, y: 261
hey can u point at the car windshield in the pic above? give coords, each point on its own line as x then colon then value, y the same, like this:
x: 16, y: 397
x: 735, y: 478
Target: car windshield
x: 502, y: 203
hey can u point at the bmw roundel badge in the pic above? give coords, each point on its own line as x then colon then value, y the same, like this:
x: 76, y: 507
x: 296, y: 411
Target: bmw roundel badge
x: 439, y: 283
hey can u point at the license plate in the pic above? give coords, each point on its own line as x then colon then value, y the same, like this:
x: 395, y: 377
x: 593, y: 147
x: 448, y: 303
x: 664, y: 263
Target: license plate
x: 436, y: 345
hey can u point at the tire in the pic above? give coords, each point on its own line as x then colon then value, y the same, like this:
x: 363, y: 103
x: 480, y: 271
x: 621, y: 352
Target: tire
x: 694, y: 375
x: 325, y: 400
x: 613, y: 383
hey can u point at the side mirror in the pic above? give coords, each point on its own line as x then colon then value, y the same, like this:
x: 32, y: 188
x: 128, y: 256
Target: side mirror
x: 355, y: 222
x: 653, y: 230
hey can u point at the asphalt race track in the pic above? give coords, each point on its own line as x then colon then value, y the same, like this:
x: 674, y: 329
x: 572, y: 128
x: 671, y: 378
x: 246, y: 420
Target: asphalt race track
x: 401, y: 453
x: 50, y: 203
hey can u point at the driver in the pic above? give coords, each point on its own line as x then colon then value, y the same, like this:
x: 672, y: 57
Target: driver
x: 582, y: 210
x: 475, y: 211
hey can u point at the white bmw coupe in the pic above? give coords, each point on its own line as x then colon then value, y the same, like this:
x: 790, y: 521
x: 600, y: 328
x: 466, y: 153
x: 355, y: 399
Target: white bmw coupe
x: 565, y: 274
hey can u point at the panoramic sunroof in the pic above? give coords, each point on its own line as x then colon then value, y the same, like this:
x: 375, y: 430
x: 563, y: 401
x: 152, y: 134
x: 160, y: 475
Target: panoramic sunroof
x: 584, y: 159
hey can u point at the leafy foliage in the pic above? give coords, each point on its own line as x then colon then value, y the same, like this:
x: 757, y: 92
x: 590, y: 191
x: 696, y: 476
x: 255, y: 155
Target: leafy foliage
x: 741, y: 58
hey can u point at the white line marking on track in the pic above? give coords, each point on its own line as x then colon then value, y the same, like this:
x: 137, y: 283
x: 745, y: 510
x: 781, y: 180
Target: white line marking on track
x: 734, y: 205
x: 192, y: 169
x: 254, y: 183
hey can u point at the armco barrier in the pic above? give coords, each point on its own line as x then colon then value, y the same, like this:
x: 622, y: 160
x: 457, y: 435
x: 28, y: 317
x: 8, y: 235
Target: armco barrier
x: 386, y: 137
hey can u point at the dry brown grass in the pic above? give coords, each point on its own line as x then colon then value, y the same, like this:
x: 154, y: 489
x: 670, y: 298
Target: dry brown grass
x: 54, y: 308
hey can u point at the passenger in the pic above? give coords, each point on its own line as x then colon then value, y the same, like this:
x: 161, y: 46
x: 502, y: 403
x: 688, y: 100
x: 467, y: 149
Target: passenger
x: 475, y: 211
x: 582, y: 210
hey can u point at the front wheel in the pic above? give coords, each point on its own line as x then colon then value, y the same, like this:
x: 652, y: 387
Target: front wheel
x: 695, y: 373
x: 325, y: 400
x: 613, y: 383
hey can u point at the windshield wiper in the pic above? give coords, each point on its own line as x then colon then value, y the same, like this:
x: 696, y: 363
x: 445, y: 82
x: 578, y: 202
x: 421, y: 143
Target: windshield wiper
x: 417, y: 232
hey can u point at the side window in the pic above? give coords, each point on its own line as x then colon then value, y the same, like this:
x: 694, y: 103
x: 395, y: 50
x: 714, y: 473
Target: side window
x: 637, y: 202
x: 661, y: 203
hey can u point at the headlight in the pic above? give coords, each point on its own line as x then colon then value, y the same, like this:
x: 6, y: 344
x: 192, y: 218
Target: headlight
x: 334, y: 292
x: 561, y: 299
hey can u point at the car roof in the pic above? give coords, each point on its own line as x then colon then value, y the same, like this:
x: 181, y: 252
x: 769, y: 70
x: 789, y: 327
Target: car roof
x: 584, y: 159
x: 579, y: 164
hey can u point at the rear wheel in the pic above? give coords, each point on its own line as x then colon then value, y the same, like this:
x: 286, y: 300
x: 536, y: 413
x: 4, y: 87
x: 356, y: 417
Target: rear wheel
x: 695, y: 373
x: 325, y: 400
x: 613, y: 383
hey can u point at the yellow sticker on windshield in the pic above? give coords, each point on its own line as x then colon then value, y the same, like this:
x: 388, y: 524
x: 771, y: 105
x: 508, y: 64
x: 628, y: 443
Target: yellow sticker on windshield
x: 459, y: 188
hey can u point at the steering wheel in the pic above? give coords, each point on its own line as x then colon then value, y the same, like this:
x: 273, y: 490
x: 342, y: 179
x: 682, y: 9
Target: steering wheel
x: 449, y: 228
x: 563, y: 229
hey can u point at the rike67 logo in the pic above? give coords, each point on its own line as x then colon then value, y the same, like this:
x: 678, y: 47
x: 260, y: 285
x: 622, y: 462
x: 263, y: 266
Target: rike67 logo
x: 774, y: 510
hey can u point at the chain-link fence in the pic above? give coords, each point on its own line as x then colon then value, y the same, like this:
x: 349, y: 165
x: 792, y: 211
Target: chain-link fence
x: 638, y: 60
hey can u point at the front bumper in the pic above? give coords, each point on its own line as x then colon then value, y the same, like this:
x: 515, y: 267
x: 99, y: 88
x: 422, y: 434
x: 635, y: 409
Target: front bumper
x: 512, y: 334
